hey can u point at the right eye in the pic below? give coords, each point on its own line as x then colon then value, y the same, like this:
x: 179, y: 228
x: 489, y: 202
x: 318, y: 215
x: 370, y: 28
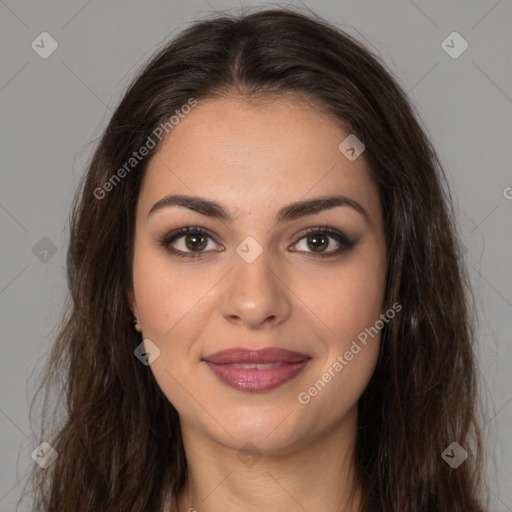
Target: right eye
x: 194, y: 238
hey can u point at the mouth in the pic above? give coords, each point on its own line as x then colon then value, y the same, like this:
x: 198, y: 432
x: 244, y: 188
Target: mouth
x: 256, y: 370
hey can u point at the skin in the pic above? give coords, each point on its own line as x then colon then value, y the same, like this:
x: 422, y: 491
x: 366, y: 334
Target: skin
x: 256, y: 158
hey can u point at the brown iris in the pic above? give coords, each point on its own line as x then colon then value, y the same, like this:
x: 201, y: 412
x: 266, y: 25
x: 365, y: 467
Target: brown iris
x: 319, y: 241
x: 193, y: 241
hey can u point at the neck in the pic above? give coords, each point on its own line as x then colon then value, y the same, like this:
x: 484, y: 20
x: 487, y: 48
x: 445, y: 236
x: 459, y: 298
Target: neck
x: 317, y: 474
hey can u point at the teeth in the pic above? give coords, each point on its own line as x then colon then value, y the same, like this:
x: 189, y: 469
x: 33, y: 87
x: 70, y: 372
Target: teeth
x: 257, y: 366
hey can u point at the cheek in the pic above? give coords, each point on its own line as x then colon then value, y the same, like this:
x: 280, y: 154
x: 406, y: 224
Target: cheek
x: 346, y: 306
x: 169, y: 298
x: 175, y: 304
x: 346, y: 301
x: 337, y: 387
x: 173, y: 307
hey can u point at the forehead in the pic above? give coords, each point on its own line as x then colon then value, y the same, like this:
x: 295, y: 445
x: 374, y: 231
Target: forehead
x: 256, y: 157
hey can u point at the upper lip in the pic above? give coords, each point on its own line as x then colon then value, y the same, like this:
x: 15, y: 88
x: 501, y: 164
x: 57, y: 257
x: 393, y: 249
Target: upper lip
x: 261, y: 356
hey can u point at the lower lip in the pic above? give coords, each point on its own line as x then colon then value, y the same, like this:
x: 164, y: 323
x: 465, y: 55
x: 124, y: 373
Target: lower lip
x: 254, y: 379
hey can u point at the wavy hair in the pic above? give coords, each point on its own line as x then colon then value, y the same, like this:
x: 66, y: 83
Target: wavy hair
x: 118, y: 437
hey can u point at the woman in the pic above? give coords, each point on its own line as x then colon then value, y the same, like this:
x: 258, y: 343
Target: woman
x: 269, y: 310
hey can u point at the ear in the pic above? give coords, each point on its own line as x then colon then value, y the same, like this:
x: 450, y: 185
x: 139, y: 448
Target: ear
x: 130, y: 296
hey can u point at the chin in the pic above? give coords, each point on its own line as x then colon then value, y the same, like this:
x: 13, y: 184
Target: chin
x: 271, y: 430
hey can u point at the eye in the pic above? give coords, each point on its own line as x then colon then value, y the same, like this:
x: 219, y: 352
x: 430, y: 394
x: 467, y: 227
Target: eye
x: 195, y: 240
x: 319, y: 240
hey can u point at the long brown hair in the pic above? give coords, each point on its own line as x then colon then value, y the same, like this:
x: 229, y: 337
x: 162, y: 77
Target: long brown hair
x: 118, y: 439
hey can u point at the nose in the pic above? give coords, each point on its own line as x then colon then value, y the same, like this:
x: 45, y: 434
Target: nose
x: 256, y: 293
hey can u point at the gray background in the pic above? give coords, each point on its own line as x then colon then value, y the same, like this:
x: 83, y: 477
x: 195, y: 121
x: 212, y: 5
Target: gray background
x: 54, y: 109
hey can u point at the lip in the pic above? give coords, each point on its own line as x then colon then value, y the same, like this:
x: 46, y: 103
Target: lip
x: 281, y: 366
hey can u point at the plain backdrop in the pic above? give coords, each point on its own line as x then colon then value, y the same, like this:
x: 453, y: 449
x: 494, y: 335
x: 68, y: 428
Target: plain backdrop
x: 53, y: 110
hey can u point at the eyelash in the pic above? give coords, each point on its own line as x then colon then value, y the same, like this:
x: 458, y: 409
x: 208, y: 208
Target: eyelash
x: 342, y: 239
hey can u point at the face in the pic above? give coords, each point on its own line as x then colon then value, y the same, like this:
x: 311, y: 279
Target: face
x: 255, y: 277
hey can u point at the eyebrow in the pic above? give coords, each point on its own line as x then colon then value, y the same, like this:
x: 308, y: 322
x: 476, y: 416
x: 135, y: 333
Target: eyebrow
x: 289, y: 212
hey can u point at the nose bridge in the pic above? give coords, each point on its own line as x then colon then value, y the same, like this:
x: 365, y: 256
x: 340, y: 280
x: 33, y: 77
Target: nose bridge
x: 255, y: 293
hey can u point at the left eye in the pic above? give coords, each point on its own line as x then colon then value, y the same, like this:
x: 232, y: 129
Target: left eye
x: 319, y: 241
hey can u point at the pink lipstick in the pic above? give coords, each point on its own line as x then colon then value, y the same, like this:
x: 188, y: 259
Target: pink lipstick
x: 256, y: 370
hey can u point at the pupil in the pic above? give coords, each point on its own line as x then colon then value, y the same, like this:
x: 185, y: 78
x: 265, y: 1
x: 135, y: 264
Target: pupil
x: 195, y: 238
x: 315, y: 238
